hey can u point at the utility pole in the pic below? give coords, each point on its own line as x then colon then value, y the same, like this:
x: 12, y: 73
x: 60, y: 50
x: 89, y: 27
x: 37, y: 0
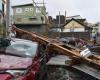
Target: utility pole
x: 65, y: 17
x: 7, y: 15
x: 59, y: 29
x: 59, y: 20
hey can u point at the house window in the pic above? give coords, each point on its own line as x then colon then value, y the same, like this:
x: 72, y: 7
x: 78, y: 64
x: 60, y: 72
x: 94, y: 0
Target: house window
x: 28, y: 9
x: 18, y: 10
x: 31, y: 9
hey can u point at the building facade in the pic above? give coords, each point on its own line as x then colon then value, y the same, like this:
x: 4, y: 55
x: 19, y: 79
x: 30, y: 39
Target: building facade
x: 30, y: 17
x: 75, y: 28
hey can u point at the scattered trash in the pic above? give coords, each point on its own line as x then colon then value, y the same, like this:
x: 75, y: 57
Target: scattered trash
x: 86, y: 53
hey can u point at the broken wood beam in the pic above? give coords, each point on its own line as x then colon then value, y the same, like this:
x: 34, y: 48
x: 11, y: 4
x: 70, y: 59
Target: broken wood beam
x: 58, y: 48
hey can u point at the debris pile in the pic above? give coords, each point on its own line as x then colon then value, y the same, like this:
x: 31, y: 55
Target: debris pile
x: 66, y: 73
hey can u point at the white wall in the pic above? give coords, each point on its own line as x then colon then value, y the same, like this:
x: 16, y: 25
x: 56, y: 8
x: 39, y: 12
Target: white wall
x: 66, y: 30
x: 79, y: 30
x: 75, y: 30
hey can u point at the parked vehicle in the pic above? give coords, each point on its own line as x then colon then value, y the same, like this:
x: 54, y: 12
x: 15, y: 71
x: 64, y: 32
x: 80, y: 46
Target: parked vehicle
x: 21, y: 61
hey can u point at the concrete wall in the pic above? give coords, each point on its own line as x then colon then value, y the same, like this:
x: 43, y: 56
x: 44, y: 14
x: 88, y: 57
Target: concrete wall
x: 85, y: 35
x: 29, y: 14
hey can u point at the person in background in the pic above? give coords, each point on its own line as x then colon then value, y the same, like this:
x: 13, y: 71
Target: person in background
x: 94, y: 34
x: 94, y: 40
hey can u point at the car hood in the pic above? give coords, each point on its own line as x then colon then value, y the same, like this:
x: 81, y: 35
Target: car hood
x: 13, y: 62
x: 5, y: 76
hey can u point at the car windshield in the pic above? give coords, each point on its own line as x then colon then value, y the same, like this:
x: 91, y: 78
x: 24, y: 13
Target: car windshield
x: 22, y: 48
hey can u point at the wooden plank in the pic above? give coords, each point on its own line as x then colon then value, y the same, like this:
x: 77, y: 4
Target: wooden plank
x: 59, y: 48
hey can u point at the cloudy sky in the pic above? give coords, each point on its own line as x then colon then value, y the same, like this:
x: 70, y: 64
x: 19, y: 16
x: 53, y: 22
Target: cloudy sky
x: 89, y: 9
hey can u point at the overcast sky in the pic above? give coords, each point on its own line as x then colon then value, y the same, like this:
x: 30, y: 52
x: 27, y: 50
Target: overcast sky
x: 89, y: 9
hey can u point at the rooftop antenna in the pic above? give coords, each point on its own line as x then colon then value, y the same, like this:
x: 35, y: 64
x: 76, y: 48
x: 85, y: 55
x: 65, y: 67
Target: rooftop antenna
x: 59, y: 25
x: 59, y: 20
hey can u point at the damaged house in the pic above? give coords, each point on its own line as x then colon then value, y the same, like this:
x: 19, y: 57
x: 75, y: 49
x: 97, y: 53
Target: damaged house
x: 76, y: 28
